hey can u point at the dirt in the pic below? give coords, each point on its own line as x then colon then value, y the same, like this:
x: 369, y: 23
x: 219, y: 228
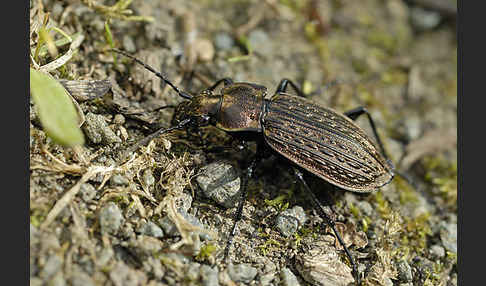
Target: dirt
x: 90, y: 205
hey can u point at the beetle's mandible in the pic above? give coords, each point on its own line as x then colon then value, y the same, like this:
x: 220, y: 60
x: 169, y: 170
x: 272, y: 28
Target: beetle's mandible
x: 316, y: 139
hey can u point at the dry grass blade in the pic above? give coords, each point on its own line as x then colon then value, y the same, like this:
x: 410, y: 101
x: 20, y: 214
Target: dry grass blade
x: 64, y: 58
x: 69, y: 195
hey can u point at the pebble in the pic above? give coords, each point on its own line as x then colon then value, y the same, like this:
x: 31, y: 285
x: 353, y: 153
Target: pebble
x: 121, y: 274
x: 57, y: 280
x: 223, y: 41
x: 151, y: 229
x: 259, y: 41
x: 98, y: 131
x: 80, y: 278
x: 404, y: 271
x: 119, y: 180
x: 51, y: 267
x: 148, y: 178
x: 129, y: 44
x: 209, y: 276
x: 170, y: 228
x: 288, y: 278
x: 110, y: 218
x: 437, y: 251
x: 448, y: 236
x: 119, y: 119
x: 87, y: 192
x: 242, y: 272
x: 289, y: 220
x: 192, y: 273
x: 266, y: 279
x: 220, y: 182
x: 424, y: 19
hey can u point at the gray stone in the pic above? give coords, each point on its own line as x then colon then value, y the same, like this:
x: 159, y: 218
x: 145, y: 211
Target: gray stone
x: 448, y: 236
x: 209, y: 276
x: 404, y: 271
x: 151, y: 229
x: 192, y: 273
x: 424, y: 19
x: 170, y: 229
x: 129, y: 44
x: 98, y: 131
x: 266, y: 279
x: 51, y: 267
x: 437, y: 251
x: 220, y: 182
x: 289, y: 220
x: 79, y: 278
x: 119, y: 180
x: 110, y: 218
x: 288, y: 278
x: 223, y: 41
x: 87, y: 192
x: 242, y: 272
x: 57, y: 280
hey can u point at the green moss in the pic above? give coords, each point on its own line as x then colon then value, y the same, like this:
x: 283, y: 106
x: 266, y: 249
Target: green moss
x: 382, y: 205
x: 280, y: 202
x: 354, y: 210
x: 37, y: 217
x: 383, y: 40
x: 365, y: 222
x: 268, y: 245
x: 406, y: 192
x: 394, y: 77
x: 416, y: 232
x: 206, y: 252
x: 442, y: 174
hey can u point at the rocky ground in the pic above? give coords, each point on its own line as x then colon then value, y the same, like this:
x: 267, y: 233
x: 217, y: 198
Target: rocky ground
x: 161, y: 215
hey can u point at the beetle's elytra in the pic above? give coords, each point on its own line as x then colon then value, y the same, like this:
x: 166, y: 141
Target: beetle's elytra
x: 315, y: 138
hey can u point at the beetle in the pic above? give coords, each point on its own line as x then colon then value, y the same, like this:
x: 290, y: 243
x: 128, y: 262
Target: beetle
x: 314, y: 138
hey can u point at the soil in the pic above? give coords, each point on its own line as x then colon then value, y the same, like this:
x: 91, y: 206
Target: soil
x: 98, y: 217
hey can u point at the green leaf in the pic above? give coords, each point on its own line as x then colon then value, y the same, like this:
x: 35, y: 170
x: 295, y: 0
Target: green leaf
x: 55, y: 108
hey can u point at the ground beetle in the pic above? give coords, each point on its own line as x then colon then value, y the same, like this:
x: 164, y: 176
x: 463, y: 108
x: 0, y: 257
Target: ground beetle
x: 316, y: 139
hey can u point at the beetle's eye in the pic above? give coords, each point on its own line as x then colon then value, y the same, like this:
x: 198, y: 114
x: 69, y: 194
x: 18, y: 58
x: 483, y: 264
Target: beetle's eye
x: 204, y: 119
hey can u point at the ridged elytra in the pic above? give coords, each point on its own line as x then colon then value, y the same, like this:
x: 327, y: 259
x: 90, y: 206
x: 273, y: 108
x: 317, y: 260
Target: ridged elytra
x: 316, y: 139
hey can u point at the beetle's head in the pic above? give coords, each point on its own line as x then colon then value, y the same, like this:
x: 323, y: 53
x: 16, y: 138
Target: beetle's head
x: 200, y: 109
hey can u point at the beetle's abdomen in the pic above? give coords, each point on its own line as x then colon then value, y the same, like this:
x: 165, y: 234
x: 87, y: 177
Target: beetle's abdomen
x: 324, y: 142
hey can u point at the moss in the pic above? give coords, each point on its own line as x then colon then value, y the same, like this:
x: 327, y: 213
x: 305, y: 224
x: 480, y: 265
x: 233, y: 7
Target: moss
x: 354, y: 210
x: 37, y: 217
x: 382, y: 40
x: 407, y: 193
x: 382, y: 205
x: 280, y: 202
x: 206, y: 252
x: 442, y: 174
x: 416, y: 232
x: 269, y: 245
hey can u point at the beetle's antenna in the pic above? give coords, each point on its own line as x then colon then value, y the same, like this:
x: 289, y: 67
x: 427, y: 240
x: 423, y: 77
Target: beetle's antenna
x: 147, y: 139
x: 181, y: 93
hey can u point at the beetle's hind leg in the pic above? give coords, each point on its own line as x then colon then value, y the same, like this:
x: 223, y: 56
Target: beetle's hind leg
x: 330, y: 221
x: 355, y: 113
x: 284, y: 83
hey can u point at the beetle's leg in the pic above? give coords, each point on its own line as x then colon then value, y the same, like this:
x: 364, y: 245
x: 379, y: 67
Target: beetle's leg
x: 282, y: 87
x: 226, y: 81
x: 355, y: 113
x: 330, y: 221
x: 244, y: 193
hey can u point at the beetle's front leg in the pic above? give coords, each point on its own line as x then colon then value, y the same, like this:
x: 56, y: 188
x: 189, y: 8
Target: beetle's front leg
x: 259, y: 155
